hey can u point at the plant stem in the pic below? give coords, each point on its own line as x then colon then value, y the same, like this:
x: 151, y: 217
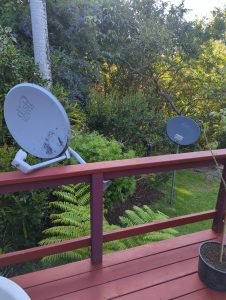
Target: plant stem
x: 222, y: 240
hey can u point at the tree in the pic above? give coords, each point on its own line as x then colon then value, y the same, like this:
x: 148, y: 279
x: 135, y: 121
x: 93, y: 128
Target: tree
x: 40, y: 38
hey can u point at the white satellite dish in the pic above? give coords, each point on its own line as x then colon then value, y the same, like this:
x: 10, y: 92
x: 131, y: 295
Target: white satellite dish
x: 9, y: 290
x: 40, y: 125
x: 37, y: 120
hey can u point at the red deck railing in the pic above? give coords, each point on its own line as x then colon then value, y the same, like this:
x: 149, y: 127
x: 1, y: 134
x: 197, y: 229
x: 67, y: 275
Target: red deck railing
x: 94, y: 174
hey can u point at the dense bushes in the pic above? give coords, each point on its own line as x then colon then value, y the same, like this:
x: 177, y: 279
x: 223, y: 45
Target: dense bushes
x: 130, y: 119
x: 217, y: 128
x: 22, y: 215
x: 94, y: 147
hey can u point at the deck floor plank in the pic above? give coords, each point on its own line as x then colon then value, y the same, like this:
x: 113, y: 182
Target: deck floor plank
x: 163, y: 270
x: 167, y: 290
x: 204, y: 294
x: 136, y: 282
x: 84, y: 266
x: 147, y: 265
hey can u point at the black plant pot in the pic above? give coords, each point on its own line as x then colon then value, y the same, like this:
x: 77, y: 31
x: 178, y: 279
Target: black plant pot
x: 211, y: 272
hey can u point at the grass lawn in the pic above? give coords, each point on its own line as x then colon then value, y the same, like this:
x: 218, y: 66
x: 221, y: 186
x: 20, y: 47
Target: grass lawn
x: 194, y: 192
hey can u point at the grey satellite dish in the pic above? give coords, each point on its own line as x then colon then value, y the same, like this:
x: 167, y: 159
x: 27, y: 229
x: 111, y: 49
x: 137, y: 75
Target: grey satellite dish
x: 37, y: 120
x: 40, y: 125
x: 183, y: 131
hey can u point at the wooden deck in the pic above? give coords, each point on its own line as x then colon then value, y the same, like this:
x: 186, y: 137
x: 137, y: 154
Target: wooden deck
x: 162, y: 270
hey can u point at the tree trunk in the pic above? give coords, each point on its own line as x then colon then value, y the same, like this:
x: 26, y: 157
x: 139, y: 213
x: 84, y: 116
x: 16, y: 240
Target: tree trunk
x: 40, y: 38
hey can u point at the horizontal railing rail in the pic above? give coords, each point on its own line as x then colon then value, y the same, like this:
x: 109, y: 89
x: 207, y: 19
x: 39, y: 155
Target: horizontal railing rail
x: 41, y: 251
x: 55, y: 176
x: 95, y: 173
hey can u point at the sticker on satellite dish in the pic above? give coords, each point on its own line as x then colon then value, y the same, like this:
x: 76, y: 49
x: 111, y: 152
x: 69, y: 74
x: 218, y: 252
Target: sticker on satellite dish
x: 178, y: 138
x: 24, y: 109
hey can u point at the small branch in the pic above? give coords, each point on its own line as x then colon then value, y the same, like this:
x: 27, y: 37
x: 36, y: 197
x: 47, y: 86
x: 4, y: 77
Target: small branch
x: 167, y: 98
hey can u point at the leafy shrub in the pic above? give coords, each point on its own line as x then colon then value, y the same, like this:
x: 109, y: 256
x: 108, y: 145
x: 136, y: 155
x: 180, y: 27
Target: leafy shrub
x: 218, y: 128
x: 22, y: 215
x: 131, y: 119
x: 94, y: 147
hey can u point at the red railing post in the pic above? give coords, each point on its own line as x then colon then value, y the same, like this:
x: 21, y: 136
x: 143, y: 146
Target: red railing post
x: 221, y: 205
x: 96, y: 212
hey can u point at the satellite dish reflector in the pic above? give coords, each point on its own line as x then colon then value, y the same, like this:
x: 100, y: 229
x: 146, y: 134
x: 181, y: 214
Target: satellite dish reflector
x: 37, y: 120
x: 40, y: 125
x: 183, y: 130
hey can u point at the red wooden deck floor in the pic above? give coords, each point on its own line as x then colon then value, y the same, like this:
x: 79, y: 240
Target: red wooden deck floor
x: 163, y: 270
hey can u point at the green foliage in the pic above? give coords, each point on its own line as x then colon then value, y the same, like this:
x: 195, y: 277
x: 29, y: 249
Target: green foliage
x: 76, y: 116
x: 22, y: 215
x: 206, y: 73
x: 142, y: 215
x: 75, y: 52
x: 72, y: 220
x: 217, y: 128
x: 6, y: 156
x: 131, y: 119
x: 11, y: 12
x: 15, y: 67
x: 94, y: 147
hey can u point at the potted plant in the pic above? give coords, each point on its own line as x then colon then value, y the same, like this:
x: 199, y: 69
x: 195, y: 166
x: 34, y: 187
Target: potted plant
x: 212, y: 263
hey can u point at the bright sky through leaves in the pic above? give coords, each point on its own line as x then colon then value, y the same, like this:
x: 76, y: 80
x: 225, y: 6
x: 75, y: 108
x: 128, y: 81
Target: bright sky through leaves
x: 200, y: 8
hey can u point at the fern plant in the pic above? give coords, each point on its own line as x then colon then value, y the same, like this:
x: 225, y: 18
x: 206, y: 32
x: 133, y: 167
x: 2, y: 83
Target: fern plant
x: 142, y: 215
x: 71, y: 219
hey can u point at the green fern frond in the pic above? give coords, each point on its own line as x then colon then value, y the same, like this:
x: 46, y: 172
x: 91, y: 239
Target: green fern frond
x: 72, y: 220
x: 141, y: 215
x: 76, y: 194
x: 63, y: 206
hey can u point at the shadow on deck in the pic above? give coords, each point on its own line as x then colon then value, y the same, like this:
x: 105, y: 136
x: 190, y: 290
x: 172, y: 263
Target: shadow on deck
x: 162, y: 270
